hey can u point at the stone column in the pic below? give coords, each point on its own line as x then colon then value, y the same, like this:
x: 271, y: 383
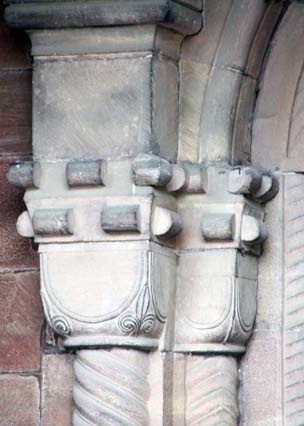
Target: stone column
x: 105, y: 120
x: 222, y: 234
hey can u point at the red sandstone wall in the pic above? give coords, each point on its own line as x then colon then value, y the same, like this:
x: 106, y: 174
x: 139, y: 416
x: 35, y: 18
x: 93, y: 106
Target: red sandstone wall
x: 35, y: 378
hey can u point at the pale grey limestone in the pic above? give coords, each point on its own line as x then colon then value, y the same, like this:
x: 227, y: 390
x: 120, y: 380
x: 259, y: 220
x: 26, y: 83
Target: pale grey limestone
x: 20, y: 174
x: 53, y: 221
x: 218, y: 226
x: 219, y: 70
x: 85, y: 173
x: 64, y: 14
x: 278, y: 114
x: 122, y: 125
x: 244, y: 180
x: 151, y: 170
x: 24, y: 225
x: 166, y: 223
x: 120, y: 219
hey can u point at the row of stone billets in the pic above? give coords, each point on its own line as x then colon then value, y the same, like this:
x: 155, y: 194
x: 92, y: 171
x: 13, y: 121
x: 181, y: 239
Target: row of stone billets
x: 147, y: 170
x: 62, y: 208
x: 78, y: 174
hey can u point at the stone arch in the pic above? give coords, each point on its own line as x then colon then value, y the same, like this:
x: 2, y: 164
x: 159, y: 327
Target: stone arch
x: 219, y: 70
x: 277, y: 128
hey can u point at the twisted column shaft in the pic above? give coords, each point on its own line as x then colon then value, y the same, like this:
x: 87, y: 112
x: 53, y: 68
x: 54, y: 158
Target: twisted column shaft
x: 111, y: 388
x: 211, y: 389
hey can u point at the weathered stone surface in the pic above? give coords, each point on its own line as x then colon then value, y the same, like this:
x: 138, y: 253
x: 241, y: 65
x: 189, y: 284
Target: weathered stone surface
x: 20, y: 174
x: 151, y: 170
x: 131, y: 312
x: 15, y: 252
x: 277, y: 128
x: 212, y: 65
x: 111, y: 387
x: 15, y: 118
x: 120, y: 125
x: 53, y: 221
x: 105, y: 40
x: 211, y: 389
x: 56, y: 391
x: 265, y: 408
x: 97, y: 13
x: 218, y: 227
x: 85, y: 173
x: 120, y: 219
x: 245, y: 180
x: 21, y: 318
x: 293, y: 306
x: 166, y: 223
x: 24, y: 225
x: 19, y: 401
x: 215, y: 305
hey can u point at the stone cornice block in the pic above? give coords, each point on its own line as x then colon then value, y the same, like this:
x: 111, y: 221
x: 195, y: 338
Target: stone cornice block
x: 79, y: 14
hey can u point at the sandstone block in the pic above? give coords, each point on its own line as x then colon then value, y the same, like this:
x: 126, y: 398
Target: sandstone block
x: 21, y: 321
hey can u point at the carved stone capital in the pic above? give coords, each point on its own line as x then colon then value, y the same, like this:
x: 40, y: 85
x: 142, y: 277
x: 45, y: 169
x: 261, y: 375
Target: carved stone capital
x: 222, y: 237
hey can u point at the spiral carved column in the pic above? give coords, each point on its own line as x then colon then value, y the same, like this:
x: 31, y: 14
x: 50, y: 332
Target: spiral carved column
x: 111, y: 388
x: 211, y: 388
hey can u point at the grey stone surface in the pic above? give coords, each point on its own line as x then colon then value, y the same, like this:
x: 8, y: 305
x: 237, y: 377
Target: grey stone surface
x: 277, y: 134
x: 219, y: 68
x: 124, y: 124
x: 45, y: 14
x: 21, y: 174
x: 244, y: 180
x: 151, y: 170
x: 218, y: 227
x: 53, y: 221
x: 85, y: 173
x: 261, y: 367
x: 120, y: 219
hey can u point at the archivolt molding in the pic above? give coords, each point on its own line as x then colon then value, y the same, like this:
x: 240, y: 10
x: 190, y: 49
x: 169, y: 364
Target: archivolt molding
x: 279, y: 110
x: 219, y: 69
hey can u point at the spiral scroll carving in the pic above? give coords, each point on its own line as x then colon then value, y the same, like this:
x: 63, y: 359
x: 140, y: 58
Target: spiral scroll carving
x: 61, y: 325
x: 211, y: 387
x: 141, y: 320
x: 111, y: 388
